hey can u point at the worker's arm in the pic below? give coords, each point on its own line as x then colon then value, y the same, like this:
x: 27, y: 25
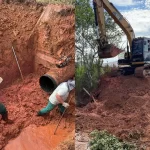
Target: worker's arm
x: 59, y: 99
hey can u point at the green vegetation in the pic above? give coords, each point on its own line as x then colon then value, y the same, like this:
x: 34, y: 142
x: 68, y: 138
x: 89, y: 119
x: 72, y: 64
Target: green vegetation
x: 102, y: 140
x: 87, y: 75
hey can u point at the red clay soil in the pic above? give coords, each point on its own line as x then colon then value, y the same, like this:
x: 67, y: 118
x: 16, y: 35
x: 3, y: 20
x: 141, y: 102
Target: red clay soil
x: 56, y: 30
x: 53, y: 36
x: 123, y: 109
x: 16, y: 24
x: 37, y: 40
x: 42, y: 138
x: 23, y: 100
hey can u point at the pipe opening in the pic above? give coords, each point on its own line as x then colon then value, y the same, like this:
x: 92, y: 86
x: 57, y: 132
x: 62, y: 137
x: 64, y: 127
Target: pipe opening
x: 47, y: 83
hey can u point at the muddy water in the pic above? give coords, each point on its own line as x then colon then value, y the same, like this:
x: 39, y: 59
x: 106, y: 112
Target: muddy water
x: 39, y: 138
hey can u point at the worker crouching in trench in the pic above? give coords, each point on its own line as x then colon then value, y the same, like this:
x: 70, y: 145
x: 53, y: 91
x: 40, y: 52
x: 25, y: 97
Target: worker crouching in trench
x: 3, y: 110
x: 59, y: 98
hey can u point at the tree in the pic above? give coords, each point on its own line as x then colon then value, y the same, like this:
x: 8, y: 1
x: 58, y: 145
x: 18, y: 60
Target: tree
x: 85, y: 29
x: 86, y: 32
x: 89, y: 66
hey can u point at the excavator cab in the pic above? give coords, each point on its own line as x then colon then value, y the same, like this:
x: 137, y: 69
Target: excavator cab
x: 139, y: 60
x: 141, y: 50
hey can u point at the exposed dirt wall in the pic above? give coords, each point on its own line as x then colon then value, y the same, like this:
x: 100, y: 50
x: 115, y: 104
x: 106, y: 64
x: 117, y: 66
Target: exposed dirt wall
x: 56, y: 35
x: 39, y: 39
x: 16, y: 23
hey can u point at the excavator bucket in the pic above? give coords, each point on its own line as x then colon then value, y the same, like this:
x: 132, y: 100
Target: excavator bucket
x: 109, y: 51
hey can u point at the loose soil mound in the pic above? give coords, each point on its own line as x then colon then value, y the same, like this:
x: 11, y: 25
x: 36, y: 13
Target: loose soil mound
x: 123, y: 109
x: 68, y: 143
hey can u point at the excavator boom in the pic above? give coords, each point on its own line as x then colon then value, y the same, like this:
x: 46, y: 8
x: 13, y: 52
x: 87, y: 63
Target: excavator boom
x: 137, y: 61
x: 108, y: 50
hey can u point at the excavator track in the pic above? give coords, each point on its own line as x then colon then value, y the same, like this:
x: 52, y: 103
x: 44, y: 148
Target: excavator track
x: 142, y: 72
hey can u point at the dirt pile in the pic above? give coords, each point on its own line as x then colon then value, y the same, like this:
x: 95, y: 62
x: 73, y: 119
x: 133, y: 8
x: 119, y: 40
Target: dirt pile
x: 23, y: 100
x: 68, y: 143
x: 123, y: 109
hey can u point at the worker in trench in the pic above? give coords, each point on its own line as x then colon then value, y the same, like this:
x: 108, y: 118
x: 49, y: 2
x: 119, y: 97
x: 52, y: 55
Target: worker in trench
x: 59, y: 98
x: 3, y: 110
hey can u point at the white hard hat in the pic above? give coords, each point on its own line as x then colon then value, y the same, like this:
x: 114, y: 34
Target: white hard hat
x: 1, y: 79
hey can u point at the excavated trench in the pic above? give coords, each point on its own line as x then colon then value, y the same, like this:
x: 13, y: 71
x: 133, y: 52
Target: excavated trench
x: 39, y: 37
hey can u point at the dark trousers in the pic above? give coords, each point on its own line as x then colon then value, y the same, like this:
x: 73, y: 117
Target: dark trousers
x: 5, y: 116
x: 3, y: 112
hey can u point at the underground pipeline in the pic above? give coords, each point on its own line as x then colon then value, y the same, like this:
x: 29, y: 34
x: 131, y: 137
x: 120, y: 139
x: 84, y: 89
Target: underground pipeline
x: 53, y: 78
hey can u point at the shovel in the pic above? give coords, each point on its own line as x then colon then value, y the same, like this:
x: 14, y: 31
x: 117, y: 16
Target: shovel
x: 90, y: 95
x: 62, y: 116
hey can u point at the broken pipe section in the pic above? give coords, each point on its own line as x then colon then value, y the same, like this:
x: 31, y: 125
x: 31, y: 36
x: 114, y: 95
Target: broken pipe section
x: 53, y: 78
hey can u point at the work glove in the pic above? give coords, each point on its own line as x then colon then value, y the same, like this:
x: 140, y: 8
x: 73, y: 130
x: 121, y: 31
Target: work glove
x: 66, y: 105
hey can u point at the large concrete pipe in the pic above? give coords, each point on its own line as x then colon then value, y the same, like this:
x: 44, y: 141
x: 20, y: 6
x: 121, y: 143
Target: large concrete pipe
x: 53, y: 78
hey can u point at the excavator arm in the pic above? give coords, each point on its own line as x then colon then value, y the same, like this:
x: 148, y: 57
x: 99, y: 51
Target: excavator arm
x: 105, y: 49
x: 137, y: 61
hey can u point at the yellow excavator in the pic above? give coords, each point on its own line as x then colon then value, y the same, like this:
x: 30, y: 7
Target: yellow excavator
x: 137, y: 58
